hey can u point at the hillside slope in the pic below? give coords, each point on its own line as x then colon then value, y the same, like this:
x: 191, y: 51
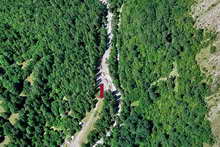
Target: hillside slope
x: 207, y: 16
x: 157, y: 39
x: 48, y: 58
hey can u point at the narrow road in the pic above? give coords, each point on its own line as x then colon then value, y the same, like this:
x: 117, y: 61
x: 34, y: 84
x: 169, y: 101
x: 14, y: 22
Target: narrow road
x: 105, y: 79
x: 105, y: 76
x: 104, y: 68
x: 81, y: 136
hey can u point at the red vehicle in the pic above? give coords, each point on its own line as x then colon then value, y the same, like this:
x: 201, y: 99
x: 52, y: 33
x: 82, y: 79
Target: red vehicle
x: 101, y: 87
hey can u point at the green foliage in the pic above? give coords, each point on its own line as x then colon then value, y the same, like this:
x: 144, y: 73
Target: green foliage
x: 115, y: 4
x: 105, y: 121
x: 61, y: 42
x: 152, y: 37
x: 113, y: 60
x: 213, y: 49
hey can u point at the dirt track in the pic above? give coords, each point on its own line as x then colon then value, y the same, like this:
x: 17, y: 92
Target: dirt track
x: 87, y: 126
x: 106, y: 79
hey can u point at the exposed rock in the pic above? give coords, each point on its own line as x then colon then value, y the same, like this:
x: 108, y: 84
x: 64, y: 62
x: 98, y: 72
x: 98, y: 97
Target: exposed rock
x: 207, y: 16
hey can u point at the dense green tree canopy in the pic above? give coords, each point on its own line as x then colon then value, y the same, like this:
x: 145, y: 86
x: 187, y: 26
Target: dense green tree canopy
x: 163, y: 88
x: 49, y: 52
x: 48, y: 57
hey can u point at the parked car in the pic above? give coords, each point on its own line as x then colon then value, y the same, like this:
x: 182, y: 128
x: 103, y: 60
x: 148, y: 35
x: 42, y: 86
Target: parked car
x: 117, y: 97
x: 98, y: 81
x: 115, y: 92
x: 98, y: 75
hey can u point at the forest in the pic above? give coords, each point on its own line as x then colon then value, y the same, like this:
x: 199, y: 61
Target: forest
x: 49, y: 53
x: 163, y: 88
x: 48, y: 58
x: 105, y: 122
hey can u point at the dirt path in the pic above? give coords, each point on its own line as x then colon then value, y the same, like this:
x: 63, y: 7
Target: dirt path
x: 105, y: 76
x: 106, y: 79
x: 81, y: 136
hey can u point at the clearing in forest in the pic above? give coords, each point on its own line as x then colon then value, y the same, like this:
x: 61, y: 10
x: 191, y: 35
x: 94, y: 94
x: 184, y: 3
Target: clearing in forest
x: 24, y: 64
x: 173, y: 73
x: 5, y: 142
x: 13, y: 118
x: 30, y: 79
